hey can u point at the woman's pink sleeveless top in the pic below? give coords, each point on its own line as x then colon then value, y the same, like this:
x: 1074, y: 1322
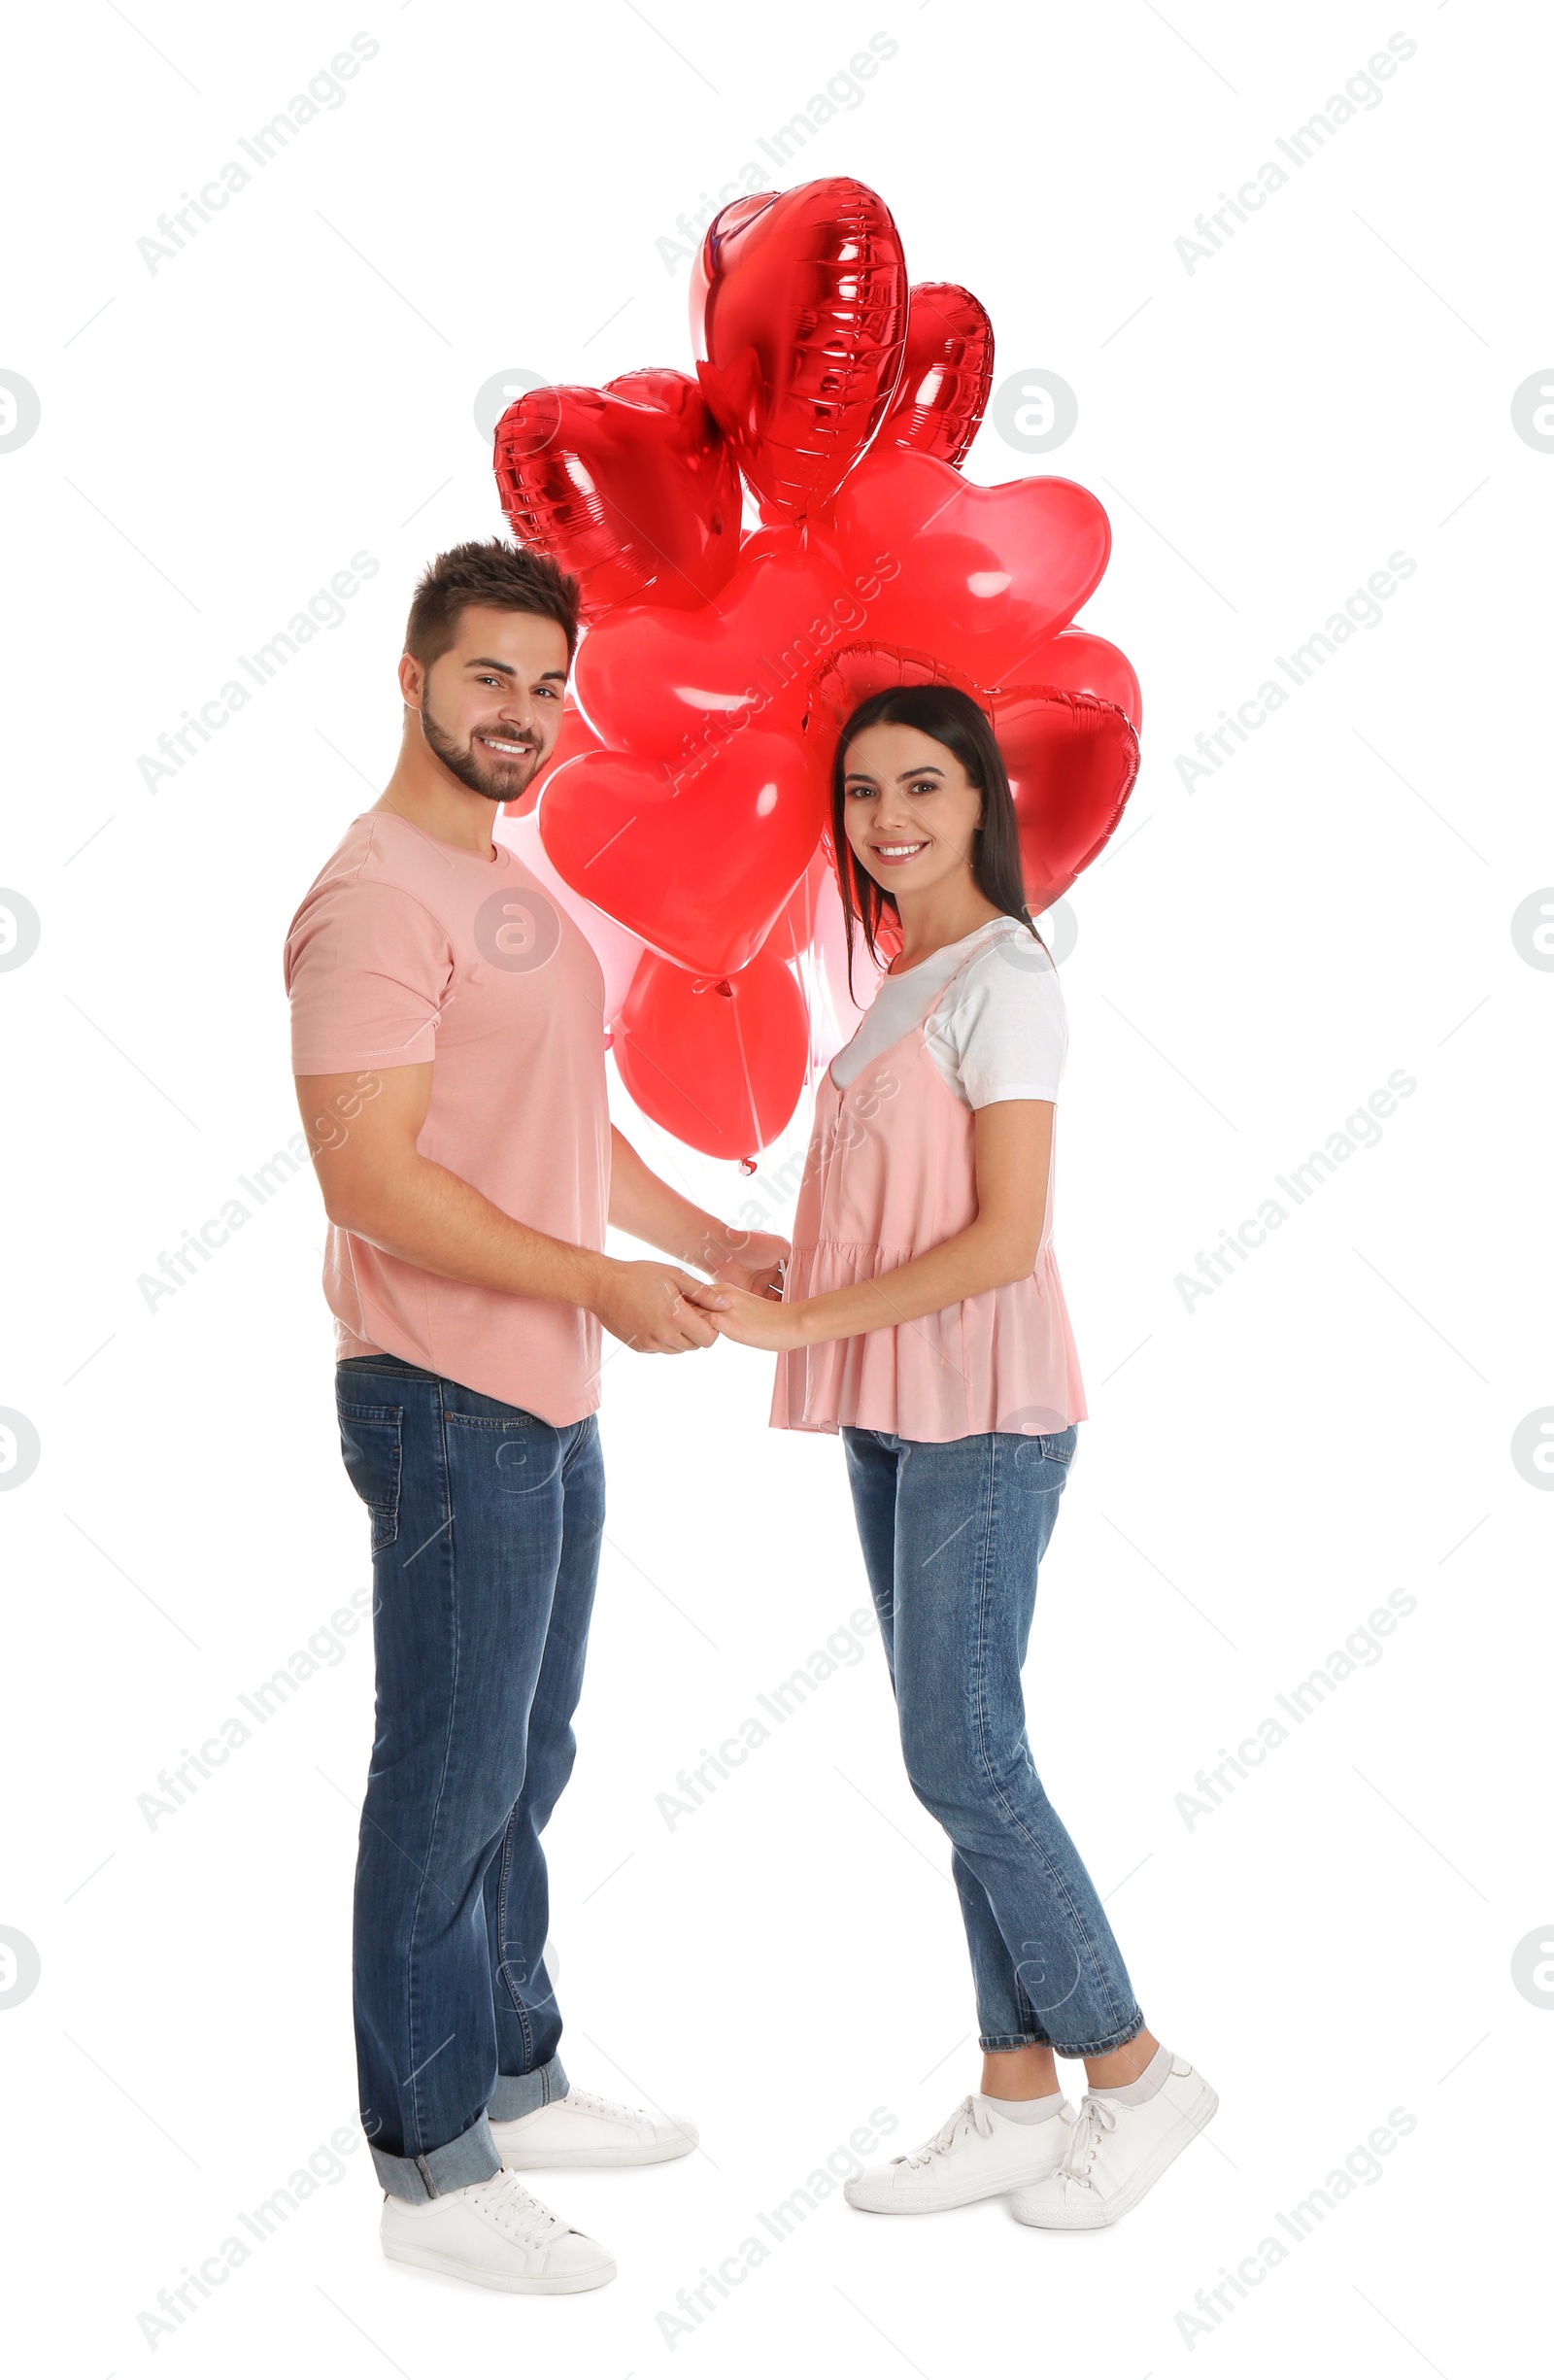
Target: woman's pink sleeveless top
x: 891, y: 1173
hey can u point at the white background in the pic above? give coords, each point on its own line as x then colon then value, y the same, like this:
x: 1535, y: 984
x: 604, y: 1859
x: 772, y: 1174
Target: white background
x: 1254, y: 957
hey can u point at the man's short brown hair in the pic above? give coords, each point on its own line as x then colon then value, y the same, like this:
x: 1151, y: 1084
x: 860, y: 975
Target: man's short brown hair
x: 507, y: 577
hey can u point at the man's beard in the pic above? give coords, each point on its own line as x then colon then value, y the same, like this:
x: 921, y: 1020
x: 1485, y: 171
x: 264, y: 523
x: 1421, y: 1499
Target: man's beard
x: 496, y: 779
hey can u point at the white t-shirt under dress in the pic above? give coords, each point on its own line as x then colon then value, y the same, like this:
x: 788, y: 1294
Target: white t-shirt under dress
x: 1000, y: 1033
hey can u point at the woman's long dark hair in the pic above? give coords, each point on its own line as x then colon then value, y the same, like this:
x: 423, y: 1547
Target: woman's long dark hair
x: 962, y: 727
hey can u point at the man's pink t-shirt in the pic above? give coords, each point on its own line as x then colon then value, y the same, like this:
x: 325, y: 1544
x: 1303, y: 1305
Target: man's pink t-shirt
x: 405, y: 949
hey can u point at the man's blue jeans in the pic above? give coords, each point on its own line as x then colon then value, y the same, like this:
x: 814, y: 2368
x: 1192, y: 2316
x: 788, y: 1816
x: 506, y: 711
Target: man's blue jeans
x: 951, y: 1538
x: 486, y: 1531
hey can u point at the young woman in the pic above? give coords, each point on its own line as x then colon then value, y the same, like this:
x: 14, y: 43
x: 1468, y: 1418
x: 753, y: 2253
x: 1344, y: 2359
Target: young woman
x: 924, y: 1318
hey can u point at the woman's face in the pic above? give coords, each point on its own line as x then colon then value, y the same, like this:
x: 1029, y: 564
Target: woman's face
x: 911, y: 811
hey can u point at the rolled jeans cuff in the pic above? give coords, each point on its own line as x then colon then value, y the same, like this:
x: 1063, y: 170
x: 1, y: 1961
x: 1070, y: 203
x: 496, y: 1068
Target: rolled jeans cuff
x: 471, y: 2157
x: 518, y: 2094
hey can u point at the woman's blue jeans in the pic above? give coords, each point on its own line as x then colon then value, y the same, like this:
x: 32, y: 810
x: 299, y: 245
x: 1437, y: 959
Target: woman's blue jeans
x: 486, y: 1531
x: 953, y: 1534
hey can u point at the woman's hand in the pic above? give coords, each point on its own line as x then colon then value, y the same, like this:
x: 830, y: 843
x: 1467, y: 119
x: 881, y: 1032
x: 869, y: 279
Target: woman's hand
x: 752, y: 1262
x: 750, y: 1320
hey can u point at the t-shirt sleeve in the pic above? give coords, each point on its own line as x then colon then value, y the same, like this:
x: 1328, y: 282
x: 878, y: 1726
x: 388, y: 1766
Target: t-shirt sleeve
x: 1008, y: 1027
x: 366, y: 969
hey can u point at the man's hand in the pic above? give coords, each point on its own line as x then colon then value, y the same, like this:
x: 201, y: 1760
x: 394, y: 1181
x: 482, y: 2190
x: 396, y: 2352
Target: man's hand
x: 751, y: 1261
x: 645, y: 1305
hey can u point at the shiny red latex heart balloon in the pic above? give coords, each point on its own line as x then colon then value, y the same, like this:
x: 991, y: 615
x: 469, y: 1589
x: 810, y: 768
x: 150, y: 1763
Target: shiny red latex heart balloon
x: 632, y: 487
x: 798, y: 324
x: 948, y: 370
x: 718, y: 1063
x: 794, y: 929
x: 1071, y: 758
x: 699, y: 870
x: 985, y: 574
x: 676, y: 685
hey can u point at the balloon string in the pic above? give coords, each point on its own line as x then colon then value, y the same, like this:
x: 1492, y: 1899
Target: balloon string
x: 744, y: 1069
x: 818, y: 1000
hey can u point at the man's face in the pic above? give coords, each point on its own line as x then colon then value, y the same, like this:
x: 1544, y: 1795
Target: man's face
x: 490, y: 706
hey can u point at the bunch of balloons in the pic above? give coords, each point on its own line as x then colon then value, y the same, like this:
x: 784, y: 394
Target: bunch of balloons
x: 728, y: 635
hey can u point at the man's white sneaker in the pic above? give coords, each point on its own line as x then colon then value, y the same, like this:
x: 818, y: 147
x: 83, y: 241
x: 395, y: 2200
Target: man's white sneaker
x: 495, y: 2234
x: 583, y: 2129
x: 976, y: 2155
x: 1116, y: 2153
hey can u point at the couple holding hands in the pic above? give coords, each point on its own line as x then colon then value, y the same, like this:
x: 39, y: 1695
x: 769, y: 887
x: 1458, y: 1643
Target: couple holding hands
x: 453, y: 1091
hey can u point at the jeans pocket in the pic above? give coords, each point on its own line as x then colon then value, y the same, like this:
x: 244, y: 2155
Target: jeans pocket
x: 507, y: 1451
x: 370, y: 1445
x: 1059, y: 1445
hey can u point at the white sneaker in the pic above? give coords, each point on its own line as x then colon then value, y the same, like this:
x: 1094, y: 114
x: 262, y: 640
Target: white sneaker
x: 584, y: 2129
x: 495, y: 2234
x: 1116, y: 2153
x: 977, y: 2153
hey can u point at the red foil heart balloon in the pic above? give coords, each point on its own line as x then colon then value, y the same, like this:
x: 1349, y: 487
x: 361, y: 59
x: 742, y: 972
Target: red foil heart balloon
x: 718, y: 1063
x: 675, y: 685
x: 1071, y: 757
x: 1073, y: 663
x: 1085, y: 665
x: 985, y: 575
x: 798, y: 308
x: 1072, y: 763
x: 630, y: 486
x: 698, y: 870
x: 948, y: 370
x: 856, y: 672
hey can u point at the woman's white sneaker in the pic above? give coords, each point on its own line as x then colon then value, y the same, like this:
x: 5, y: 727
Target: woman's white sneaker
x: 494, y: 2234
x: 977, y: 2153
x: 1116, y: 2153
x: 584, y: 2129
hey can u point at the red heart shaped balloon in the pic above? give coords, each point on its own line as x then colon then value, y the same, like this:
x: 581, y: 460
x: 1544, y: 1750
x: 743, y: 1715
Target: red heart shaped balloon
x: 697, y: 868
x: 795, y: 930
x: 630, y: 486
x: 945, y: 376
x: 1074, y: 662
x: 798, y: 323
x: 982, y: 576
x: 1071, y: 758
x: 1073, y: 761
x: 1085, y: 665
x: 718, y: 1063
x: 855, y: 673
x: 676, y: 685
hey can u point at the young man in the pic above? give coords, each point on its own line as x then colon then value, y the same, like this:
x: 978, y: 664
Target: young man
x: 448, y: 1045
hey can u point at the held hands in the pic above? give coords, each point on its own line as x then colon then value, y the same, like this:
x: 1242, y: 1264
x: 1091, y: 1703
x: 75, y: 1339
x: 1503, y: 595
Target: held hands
x: 747, y: 1259
x: 750, y: 1322
x: 658, y: 1310
x: 743, y: 1299
x: 646, y: 1305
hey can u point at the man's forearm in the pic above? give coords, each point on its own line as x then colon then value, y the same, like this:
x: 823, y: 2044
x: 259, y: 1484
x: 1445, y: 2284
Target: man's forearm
x: 431, y: 1218
x: 649, y: 1210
